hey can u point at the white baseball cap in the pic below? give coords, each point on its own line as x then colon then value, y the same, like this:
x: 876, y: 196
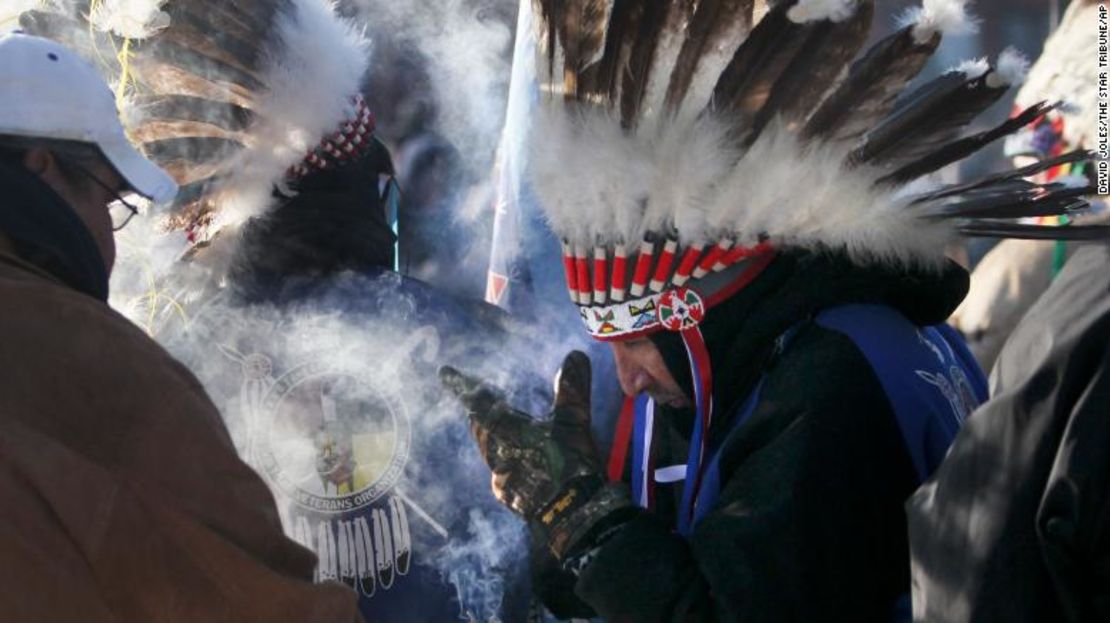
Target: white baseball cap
x: 47, y: 91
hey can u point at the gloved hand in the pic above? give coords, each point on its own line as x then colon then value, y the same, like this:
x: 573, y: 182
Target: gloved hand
x: 548, y: 471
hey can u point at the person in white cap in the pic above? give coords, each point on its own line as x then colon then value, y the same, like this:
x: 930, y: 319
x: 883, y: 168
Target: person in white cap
x: 121, y: 495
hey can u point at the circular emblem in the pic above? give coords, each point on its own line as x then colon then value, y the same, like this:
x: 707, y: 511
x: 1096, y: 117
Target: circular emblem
x: 680, y: 309
x: 335, y: 442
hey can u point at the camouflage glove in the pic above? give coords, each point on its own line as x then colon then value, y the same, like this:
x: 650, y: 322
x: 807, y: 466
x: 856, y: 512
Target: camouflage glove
x: 548, y: 471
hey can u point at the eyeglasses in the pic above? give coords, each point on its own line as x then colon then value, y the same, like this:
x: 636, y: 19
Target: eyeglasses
x: 120, y: 210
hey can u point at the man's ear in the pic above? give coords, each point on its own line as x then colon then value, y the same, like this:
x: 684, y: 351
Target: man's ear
x: 38, y: 160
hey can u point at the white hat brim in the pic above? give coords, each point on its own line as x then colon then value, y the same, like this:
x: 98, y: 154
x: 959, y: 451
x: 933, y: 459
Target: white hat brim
x: 142, y: 175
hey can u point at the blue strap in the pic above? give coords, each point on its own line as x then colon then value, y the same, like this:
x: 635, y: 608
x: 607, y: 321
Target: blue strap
x: 392, y: 218
x: 711, y: 483
x: 641, y: 449
x: 695, y: 473
x: 928, y: 376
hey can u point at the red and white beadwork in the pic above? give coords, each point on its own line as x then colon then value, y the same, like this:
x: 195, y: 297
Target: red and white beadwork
x: 680, y: 309
x: 620, y: 294
x: 349, y: 141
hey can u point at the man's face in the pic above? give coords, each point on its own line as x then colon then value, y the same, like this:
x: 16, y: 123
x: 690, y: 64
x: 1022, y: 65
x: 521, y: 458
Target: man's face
x: 88, y: 199
x: 640, y: 368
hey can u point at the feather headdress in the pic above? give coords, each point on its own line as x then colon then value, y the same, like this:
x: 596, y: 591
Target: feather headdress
x: 232, y: 98
x: 676, y: 138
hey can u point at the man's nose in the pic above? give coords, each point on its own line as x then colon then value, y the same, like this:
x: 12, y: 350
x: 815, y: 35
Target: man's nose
x: 633, y: 379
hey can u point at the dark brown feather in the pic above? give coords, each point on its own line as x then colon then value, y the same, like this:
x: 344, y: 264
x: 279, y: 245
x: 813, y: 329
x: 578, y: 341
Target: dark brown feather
x: 637, y: 75
x: 1078, y: 155
x: 77, y: 36
x: 191, y: 149
x: 711, y: 22
x: 823, y: 58
x: 601, y: 81
x: 926, y: 119
x: 746, y: 83
x: 958, y: 150
x: 194, y: 62
x: 871, y: 87
x: 994, y: 229
x: 227, y: 116
x: 232, y: 43
x: 582, y: 33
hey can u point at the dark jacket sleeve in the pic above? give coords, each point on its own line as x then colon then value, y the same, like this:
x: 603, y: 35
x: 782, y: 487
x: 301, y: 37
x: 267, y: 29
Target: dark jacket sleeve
x: 1015, y: 524
x: 809, y: 525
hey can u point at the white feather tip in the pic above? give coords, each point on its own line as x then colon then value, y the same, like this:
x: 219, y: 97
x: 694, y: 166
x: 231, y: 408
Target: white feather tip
x: 947, y: 17
x: 1011, y: 69
x: 972, y: 68
x: 132, y: 19
x: 816, y: 10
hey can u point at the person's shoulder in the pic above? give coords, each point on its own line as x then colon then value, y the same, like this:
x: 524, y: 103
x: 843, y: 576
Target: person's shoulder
x: 67, y: 311
x: 66, y: 329
x: 820, y: 367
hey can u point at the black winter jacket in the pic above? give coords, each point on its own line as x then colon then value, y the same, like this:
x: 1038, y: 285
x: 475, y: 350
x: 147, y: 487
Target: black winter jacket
x: 1015, y: 525
x: 809, y: 525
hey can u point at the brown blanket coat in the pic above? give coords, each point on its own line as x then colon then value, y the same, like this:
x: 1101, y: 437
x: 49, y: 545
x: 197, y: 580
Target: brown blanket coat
x: 121, y: 495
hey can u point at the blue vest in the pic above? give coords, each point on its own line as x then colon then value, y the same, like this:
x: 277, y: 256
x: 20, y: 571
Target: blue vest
x: 929, y: 376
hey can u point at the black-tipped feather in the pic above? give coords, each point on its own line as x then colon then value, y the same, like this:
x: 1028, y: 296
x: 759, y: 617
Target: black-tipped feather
x: 820, y: 61
x: 926, y: 119
x: 869, y: 91
x: 1034, y: 200
x: 1004, y: 177
x: 197, y: 64
x: 994, y: 229
x: 960, y: 149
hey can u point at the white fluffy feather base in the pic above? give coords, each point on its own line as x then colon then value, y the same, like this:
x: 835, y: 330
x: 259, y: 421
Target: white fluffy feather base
x: 815, y: 10
x: 133, y: 19
x: 600, y: 186
x: 312, y: 76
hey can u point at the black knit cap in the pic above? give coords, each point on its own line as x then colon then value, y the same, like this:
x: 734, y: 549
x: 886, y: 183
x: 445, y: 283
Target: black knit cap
x: 332, y: 220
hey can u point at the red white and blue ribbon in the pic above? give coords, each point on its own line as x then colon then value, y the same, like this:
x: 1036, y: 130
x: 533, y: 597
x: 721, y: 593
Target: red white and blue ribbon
x: 702, y: 375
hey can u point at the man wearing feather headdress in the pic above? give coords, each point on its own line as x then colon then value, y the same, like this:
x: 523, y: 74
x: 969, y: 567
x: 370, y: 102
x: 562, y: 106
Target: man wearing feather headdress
x: 748, y: 219
x: 121, y: 495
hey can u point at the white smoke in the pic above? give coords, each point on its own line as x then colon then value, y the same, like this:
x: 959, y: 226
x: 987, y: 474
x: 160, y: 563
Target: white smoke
x: 238, y: 352
x: 466, y: 45
x: 10, y: 11
x: 245, y: 356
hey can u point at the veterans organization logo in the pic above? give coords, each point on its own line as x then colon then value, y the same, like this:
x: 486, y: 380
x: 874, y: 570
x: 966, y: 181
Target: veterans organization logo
x: 333, y: 443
